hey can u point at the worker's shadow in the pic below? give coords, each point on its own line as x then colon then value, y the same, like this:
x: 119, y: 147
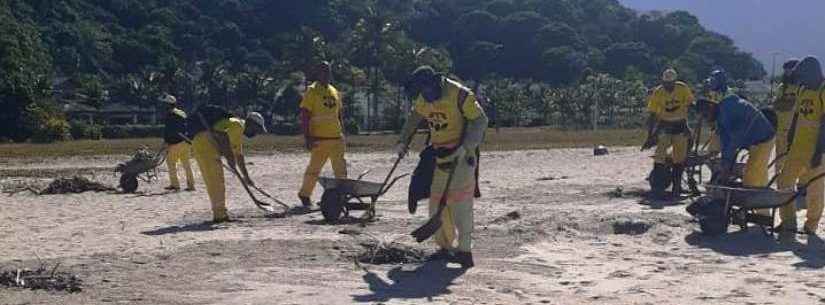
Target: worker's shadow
x: 427, y: 281
x: 659, y: 204
x: 811, y: 254
x: 194, y: 227
x: 741, y: 243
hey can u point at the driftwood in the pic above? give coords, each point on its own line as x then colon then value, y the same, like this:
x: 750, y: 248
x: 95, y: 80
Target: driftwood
x: 383, y: 251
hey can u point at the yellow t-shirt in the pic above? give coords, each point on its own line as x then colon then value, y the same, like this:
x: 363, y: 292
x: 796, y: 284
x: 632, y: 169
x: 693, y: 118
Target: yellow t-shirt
x: 671, y: 106
x: 234, y: 128
x: 443, y: 115
x: 324, y: 106
x: 786, y: 98
x: 810, y: 110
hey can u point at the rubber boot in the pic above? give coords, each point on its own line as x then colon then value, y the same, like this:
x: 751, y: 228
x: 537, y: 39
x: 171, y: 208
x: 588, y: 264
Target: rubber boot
x: 787, y: 232
x: 305, y: 201
x: 465, y: 259
x: 658, y: 192
x: 676, y: 177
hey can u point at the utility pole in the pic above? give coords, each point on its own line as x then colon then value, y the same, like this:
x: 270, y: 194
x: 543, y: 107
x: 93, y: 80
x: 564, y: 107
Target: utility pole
x: 773, y: 71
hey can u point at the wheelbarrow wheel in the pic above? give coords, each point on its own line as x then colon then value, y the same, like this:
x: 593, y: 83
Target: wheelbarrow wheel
x: 714, y: 219
x: 332, y: 205
x: 660, y: 178
x: 128, y: 183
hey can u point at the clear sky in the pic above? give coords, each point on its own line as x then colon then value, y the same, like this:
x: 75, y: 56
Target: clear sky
x: 793, y: 27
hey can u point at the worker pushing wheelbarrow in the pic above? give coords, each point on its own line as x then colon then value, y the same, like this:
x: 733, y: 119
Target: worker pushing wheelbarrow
x: 739, y: 205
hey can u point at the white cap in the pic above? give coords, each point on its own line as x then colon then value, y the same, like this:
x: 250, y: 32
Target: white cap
x: 670, y: 75
x: 168, y: 99
x: 258, y: 119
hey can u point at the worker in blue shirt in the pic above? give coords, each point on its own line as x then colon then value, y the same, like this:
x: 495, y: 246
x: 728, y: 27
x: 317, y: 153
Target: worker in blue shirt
x: 740, y: 125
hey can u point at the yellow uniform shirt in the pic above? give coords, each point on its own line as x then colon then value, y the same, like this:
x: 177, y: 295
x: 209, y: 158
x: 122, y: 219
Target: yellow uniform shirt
x: 234, y: 128
x: 443, y: 115
x: 786, y: 98
x: 810, y: 110
x: 324, y: 106
x: 671, y: 105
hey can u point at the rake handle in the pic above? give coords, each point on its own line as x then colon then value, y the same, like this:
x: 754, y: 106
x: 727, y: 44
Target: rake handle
x: 395, y: 165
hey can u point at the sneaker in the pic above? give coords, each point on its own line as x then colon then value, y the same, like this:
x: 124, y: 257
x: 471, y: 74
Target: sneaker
x: 190, y: 189
x: 465, y: 259
x: 305, y: 201
x: 172, y: 188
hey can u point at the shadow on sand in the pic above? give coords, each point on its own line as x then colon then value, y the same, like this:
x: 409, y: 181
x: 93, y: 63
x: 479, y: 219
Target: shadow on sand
x: 754, y: 242
x: 194, y: 227
x: 429, y: 280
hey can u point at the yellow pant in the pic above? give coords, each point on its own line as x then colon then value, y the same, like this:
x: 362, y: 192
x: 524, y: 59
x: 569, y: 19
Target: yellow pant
x: 784, y: 120
x: 324, y: 150
x: 179, y: 153
x: 756, y: 168
x: 457, y: 218
x: 797, y: 169
x: 209, y: 163
x: 679, y: 142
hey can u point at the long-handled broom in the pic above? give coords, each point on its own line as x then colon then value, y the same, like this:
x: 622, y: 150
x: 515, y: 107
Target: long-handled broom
x: 434, y: 224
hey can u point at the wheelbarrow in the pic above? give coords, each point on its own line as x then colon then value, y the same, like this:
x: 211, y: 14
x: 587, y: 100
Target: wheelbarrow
x: 694, y: 176
x: 738, y: 205
x: 341, y: 196
x: 143, y: 165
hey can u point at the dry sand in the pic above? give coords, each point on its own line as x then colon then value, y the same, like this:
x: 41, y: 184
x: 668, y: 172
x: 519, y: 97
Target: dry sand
x: 570, y: 243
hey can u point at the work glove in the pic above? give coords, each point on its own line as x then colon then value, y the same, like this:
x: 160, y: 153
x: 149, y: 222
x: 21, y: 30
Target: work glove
x: 451, y: 153
x: 400, y: 150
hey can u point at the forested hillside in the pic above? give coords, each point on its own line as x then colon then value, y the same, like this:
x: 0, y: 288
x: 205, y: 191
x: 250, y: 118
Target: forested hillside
x: 244, y: 53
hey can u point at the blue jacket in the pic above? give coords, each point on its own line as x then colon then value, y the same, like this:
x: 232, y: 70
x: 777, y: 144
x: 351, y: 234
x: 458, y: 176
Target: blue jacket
x: 740, y: 125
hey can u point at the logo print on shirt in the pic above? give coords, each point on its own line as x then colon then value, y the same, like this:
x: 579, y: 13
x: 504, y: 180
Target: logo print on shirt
x: 672, y: 105
x: 329, y: 102
x: 806, y: 107
x: 437, y: 121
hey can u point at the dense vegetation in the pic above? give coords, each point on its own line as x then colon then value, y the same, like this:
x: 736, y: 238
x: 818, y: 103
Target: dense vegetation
x: 249, y: 54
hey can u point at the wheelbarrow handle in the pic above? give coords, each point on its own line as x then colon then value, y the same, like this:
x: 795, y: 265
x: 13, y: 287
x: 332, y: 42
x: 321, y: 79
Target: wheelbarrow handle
x: 803, y: 188
x: 389, y: 186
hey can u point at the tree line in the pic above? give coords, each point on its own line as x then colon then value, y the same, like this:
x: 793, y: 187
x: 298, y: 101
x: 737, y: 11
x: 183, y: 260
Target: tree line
x: 539, y: 60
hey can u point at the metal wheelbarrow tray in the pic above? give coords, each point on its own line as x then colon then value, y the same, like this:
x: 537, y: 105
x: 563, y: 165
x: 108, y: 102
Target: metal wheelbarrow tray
x: 344, y: 195
x: 143, y: 165
x: 740, y: 204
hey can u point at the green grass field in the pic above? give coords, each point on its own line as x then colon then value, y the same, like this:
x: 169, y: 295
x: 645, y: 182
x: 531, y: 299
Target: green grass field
x: 506, y: 139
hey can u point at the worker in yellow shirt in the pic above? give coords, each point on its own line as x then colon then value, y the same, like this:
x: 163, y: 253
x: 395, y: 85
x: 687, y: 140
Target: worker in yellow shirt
x: 784, y: 105
x: 667, y: 129
x: 451, y: 111
x: 177, y: 150
x: 804, y: 160
x: 218, y: 134
x: 322, y: 114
